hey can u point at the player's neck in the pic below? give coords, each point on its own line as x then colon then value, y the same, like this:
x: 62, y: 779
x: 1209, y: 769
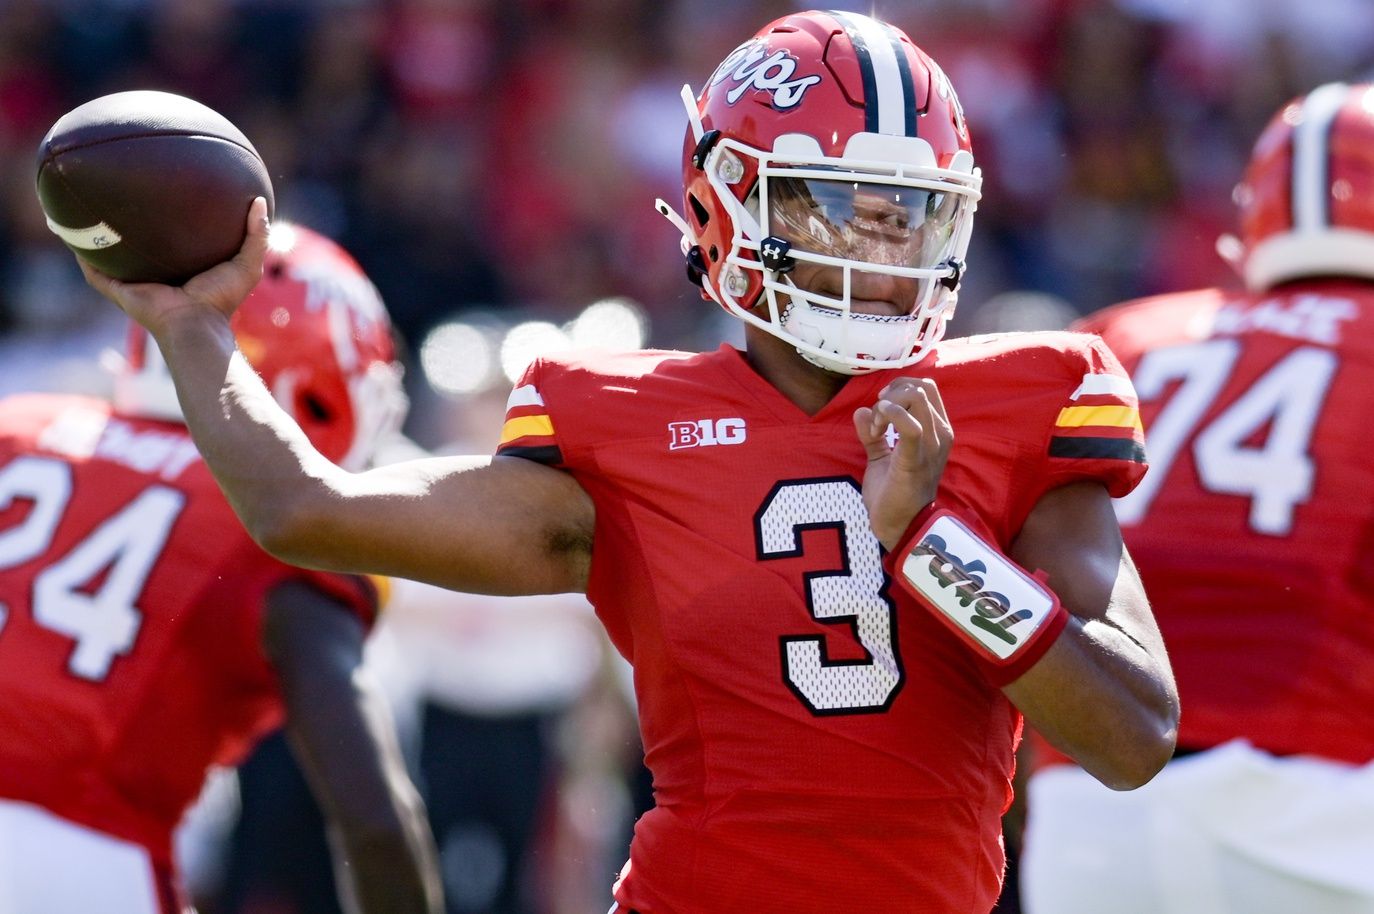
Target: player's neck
x: 778, y: 363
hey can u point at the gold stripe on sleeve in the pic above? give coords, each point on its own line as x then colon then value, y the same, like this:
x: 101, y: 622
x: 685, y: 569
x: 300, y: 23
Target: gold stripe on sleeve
x: 1109, y: 416
x: 523, y: 426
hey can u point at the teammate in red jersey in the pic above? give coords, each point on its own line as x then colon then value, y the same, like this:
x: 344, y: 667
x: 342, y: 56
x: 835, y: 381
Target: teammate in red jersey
x: 830, y: 726
x: 144, y: 636
x: 1252, y: 532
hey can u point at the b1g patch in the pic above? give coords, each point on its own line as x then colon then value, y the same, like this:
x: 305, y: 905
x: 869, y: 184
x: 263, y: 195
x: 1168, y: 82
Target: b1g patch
x: 981, y: 593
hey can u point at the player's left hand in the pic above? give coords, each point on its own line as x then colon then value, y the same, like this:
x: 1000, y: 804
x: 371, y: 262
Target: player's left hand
x: 901, y: 480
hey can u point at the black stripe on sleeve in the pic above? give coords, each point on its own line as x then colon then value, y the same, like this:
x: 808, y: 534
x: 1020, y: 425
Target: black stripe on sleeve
x: 1098, y: 448
x: 547, y: 454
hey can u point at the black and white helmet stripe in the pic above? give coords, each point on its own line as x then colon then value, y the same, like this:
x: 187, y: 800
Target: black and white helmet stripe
x: 1311, y: 191
x: 889, y: 92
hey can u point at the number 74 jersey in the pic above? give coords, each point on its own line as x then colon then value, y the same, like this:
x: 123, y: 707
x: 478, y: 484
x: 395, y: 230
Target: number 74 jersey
x: 1254, y: 530
x: 816, y: 743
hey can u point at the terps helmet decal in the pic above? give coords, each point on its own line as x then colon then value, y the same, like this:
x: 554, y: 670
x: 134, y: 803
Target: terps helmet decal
x: 750, y: 66
x: 945, y: 89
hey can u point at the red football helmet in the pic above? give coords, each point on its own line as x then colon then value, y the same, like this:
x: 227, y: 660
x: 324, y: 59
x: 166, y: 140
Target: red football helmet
x: 1307, y: 199
x: 316, y: 331
x: 829, y: 138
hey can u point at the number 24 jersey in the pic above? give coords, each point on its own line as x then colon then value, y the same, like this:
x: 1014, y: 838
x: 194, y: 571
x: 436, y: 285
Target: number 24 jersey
x: 130, y: 609
x: 817, y: 744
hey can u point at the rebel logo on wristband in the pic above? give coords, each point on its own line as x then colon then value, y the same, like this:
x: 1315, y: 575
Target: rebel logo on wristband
x: 975, y: 587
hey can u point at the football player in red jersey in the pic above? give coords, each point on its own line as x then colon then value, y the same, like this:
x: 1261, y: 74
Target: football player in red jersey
x: 144, y: 636
x: 1253, y: 535
x: 843, y: 562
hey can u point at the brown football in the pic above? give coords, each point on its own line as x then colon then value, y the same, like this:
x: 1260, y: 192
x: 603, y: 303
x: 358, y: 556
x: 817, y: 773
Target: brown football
x: 149, y: 186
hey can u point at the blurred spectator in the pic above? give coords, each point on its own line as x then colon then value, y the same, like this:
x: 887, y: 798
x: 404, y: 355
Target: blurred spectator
x: 438, y: 55
x: 274, y: 858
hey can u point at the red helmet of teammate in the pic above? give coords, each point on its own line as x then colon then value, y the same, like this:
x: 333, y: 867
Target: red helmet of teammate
x: 316, y: 331
x: 829, y: 138
x: 1307, y: 199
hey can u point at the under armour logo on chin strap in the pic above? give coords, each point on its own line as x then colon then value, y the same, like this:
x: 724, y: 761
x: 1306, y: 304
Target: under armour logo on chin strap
x: 774, y: 252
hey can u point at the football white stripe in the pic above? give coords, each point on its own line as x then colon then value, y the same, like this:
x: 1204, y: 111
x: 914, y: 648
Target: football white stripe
x: 1311, y: 182
x: 1105, y: 384
x: 526, y: 395
x: 891, y: 101
x: 94, y: 238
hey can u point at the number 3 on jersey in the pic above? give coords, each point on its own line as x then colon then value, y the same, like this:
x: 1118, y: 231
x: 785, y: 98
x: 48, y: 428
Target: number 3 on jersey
x: 124, y: 547
x: 852, y: 594
x: 1278, y: 474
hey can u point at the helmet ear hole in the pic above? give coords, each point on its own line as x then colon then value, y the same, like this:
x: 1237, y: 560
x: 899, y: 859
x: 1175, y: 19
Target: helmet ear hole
x: 316, y: 408
x: 699, y: 212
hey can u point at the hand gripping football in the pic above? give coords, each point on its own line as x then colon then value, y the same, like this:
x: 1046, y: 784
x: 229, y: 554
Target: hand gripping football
x: 149, y: 186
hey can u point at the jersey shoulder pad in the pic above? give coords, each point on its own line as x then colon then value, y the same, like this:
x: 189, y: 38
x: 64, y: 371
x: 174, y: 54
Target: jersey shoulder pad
x: 1070, y: 391
x: 562, y: 400
x: 1097, y: 433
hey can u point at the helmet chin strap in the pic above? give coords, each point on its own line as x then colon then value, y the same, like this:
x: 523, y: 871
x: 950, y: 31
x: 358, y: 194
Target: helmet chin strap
x: 816, y: 325
x: 834, y: 366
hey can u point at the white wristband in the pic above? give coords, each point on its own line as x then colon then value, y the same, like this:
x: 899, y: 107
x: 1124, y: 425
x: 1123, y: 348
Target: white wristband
x: 976, y: 590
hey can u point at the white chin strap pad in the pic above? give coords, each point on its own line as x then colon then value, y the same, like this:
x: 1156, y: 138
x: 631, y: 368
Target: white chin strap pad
x: 859, y: 337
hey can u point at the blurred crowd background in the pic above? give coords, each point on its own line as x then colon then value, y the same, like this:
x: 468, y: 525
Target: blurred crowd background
x: 495, y: 161
x: 493, y: 165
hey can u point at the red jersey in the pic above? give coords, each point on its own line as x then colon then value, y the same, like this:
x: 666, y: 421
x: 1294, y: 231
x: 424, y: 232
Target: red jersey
x: 816, y: 743
x: 1254, y: 532
x: 130, y: 609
